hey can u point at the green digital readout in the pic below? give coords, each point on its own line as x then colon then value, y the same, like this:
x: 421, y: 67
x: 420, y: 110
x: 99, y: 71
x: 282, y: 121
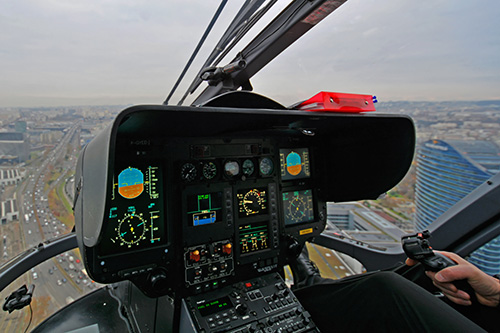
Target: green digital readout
x: 253, y: 237
x: 214, y: 306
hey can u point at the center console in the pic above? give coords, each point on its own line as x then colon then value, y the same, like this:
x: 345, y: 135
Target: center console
x: 263, y: 304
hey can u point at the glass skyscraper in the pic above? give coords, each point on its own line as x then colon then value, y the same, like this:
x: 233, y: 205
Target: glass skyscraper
x: 446, y: 172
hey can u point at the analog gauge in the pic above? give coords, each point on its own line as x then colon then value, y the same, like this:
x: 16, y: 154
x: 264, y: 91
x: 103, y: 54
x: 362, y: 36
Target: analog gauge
x: 248, y: 167
x: 253, y: 202
x: 131, y: 229
x: 209, y: 170
x: 188, y: 172
x: 231, y: 168
x: 266, y: 166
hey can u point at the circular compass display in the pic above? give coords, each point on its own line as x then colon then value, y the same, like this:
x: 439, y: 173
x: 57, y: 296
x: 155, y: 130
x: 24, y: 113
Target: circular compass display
x: 131, y: 229
x: 298, y: 207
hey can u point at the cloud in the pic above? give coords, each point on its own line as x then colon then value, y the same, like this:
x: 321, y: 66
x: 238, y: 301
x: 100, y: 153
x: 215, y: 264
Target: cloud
x: 58, y: 50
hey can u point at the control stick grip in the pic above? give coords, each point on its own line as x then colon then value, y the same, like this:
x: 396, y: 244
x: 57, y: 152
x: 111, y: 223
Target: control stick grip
x: 439, y: 262
x: 417, y: 247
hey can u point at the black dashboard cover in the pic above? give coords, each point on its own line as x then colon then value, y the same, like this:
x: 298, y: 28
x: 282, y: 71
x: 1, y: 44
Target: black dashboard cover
x: 362, y: 155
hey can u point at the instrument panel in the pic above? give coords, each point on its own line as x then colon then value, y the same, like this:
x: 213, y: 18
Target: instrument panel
x: 198, y: 213
x: 180, y: 201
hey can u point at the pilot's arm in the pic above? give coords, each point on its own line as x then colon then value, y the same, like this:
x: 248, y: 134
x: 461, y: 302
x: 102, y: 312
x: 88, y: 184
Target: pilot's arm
x: 487, y: 288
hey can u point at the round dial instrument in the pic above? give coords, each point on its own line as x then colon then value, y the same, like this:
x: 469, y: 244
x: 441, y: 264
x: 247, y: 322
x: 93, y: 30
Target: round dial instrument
x: 131, y: 229
x: 248, y: 167
x: 188, y: 172
x: 231, y: 168
x: 209, y: 170
x: 253, y: 202
x: 266, y: 166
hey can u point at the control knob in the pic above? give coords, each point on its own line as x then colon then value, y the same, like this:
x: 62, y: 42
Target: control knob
x: 241, y: 309
x: 227, y: 249
x: 159, y: 281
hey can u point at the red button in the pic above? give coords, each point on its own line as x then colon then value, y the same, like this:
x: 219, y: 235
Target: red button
x: 248, y: 285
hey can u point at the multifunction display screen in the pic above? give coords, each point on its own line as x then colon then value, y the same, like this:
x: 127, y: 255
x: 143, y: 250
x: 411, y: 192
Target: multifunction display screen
x: 204, y: 208
x: 298, y: 207
x: 135, y: 218
x: 253, y: 237
x: 294, y: 163
x: 252, y: 202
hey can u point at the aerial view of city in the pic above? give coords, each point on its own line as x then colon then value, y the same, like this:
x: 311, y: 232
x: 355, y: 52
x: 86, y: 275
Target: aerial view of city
x: 39, y: 148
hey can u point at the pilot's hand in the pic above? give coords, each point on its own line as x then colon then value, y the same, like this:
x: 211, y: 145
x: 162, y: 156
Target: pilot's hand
x: 487, y: 288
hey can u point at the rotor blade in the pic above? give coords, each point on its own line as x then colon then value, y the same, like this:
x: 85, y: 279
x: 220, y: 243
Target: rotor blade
x: 240, y: 23
x: 240, y: 34
x: 293, y: 22
x: 200, y: 43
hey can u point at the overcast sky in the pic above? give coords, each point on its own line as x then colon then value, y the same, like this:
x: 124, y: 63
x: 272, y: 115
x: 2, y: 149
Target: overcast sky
x: 70, y: 52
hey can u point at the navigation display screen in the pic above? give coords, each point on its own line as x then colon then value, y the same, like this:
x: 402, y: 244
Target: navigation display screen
x: 205, y: 208
x: 294, y: 163
x: 253, y: 237
x: 298, y: 207
x: 135, y: 217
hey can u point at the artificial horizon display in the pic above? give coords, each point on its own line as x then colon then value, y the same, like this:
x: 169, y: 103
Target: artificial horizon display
x: 135, y: 217
x: 294, y: 163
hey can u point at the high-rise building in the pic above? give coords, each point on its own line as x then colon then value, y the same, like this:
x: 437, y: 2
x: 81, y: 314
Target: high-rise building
x: 13, y: 147
x: 446, y: 172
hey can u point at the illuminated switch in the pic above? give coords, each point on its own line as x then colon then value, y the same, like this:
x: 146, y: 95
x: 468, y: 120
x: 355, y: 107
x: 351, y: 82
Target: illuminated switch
x: 194, y: 256
x: 226, y: 249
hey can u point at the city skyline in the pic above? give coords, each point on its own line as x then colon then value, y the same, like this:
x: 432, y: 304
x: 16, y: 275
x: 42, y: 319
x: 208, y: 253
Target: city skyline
x: 59, y: 53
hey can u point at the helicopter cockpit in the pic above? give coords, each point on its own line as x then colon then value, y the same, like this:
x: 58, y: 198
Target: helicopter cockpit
x: 206, y: 205
x: 187, y: 215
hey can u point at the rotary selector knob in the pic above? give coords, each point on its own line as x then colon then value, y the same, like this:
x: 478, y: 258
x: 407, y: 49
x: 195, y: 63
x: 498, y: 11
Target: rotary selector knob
x: 159, y: 281
x: 241, y: 309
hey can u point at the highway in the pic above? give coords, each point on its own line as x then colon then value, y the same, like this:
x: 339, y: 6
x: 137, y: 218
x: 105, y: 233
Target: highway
x: 62, y: 279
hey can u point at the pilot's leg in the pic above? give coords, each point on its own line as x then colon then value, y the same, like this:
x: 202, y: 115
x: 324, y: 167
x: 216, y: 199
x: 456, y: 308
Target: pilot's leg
x: 380, y: 302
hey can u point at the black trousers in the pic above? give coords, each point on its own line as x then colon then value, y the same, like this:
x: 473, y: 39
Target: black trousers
x: 380, y: 302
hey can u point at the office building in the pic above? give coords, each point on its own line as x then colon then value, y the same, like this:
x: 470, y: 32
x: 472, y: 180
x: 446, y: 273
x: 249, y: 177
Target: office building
x: 447, y: 171
x: 13, y: 148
